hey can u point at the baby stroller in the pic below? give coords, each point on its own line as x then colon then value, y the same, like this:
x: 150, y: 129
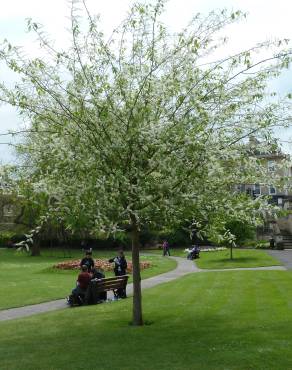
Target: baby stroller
x: 194, y: 253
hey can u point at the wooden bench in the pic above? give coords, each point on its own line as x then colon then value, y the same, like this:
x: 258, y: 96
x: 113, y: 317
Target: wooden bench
x: 96, y: 287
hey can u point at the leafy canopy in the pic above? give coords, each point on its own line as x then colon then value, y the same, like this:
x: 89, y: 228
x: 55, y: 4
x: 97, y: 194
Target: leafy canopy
x: 148, y: 126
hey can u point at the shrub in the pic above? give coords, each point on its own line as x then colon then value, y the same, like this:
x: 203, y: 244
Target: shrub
x: 213, y: 249
x: 242, y: 231
x: 280, y: 246
x: 7, y: 238
x: 251, y: 243
x: 262, y: 244
x: 121, y: 240
x: 177, y: 238
x: 258, y: 244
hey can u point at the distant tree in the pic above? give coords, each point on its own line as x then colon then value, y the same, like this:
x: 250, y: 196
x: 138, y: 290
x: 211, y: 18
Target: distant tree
x: 145, y: 128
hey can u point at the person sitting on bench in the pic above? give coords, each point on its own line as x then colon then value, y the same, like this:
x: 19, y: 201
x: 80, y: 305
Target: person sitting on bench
x: 93, y: 297
x: 82, y: 283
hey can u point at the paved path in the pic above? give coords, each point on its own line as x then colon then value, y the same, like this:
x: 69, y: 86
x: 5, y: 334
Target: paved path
x: 183, y: 267
x: 284, y: 256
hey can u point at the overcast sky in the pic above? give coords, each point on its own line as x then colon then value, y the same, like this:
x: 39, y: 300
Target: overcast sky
x: 266, y: 20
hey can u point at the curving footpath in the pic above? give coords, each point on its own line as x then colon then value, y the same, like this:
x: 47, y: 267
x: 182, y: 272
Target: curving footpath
x: 285, y: 256
x: 184, y: 267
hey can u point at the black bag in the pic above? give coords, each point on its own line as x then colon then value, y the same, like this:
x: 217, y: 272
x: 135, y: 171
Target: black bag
x: 92, y: 296
x: 75, y: 300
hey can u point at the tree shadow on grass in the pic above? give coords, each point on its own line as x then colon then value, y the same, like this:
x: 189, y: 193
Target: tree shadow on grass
x: 235, y: 262
x: 238, y: 259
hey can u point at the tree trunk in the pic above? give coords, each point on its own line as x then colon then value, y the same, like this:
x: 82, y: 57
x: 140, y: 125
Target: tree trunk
x: 137, y: 296
x: 35, y: 248
x: 231, y: 251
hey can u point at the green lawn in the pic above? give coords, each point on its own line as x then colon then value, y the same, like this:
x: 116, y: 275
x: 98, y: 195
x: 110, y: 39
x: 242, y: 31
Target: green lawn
x: 241, y: 258
x: 177, y: 252
x: 221, y: 259
x: 27, y: 280
x: 232, y: 320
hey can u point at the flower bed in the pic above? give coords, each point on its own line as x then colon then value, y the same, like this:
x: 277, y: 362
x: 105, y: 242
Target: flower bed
x: 99, y: 264
x: 216, y: 249
x: 213, y: 249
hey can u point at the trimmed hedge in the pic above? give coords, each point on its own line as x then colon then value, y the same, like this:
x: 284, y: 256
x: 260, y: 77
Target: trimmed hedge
x: 9, y: 238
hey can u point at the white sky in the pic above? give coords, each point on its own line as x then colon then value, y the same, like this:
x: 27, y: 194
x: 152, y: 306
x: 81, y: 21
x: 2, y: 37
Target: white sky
x: 267, y: 19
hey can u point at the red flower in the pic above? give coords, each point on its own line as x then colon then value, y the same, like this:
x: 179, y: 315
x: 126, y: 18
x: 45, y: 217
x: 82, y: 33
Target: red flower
x: 100, y: 264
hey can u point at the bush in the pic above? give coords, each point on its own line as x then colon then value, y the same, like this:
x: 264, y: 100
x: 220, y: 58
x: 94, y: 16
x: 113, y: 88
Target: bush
x: 121, y: 240
x: 251, y: 243
x: 148, y: 237
x: 9, y: 238
x: 262, y: 244
x: 280, y: 246
x: 177, y: 238
x: 5, y: 238
x: 214, y: 249
x: 241, y: 231
x: 258, y: 244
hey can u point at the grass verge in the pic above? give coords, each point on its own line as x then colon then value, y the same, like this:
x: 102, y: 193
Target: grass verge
x: 221, y: 259
x: 233, y: 320
x: 28, y: 280
x: 241, y: 258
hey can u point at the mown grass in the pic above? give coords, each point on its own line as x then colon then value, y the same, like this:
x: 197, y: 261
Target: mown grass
x: 241, y: 258
x: 221, y: 259
x: 177, y: 252
x: 232, y: 320
x: 27, y: 280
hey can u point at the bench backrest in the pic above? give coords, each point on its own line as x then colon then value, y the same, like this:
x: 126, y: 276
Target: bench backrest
x: 106, y: 284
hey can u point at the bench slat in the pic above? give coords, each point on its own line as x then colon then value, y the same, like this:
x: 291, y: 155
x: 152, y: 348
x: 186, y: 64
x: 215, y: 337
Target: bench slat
x: 107, y: 284
x: 122, y: 277
x: 109, y: 287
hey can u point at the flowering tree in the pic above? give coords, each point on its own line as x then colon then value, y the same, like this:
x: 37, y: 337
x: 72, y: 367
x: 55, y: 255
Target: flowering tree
x: 145, y: 128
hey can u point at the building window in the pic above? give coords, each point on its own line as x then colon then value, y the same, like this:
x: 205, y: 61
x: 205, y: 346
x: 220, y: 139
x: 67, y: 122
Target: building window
x: 240, y: 188
x: 271, y: 166
x: 249, y: 190
x: 272, y: 190
x: 287, y: 172
x: 257, y: 189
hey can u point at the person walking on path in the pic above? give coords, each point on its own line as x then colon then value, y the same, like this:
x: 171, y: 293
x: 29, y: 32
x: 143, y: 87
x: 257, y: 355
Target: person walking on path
x: 165, y: 247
